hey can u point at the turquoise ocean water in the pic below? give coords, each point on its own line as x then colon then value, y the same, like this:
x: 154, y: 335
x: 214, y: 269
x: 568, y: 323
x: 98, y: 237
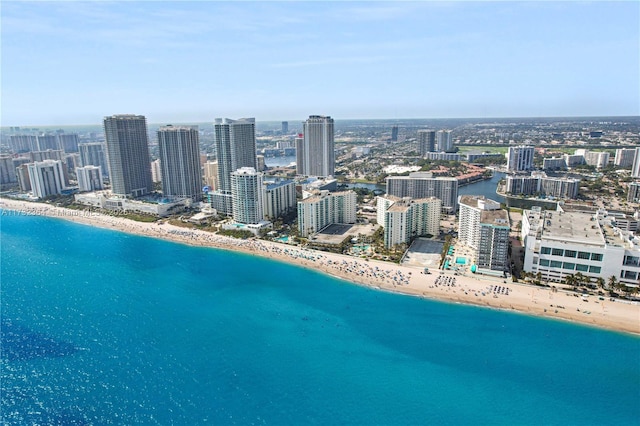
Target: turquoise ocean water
x: 101, y: 327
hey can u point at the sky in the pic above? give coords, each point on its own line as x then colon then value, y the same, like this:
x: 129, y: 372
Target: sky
x: 176, y: 61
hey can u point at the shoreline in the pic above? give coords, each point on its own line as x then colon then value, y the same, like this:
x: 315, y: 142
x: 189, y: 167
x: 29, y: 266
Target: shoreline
x: 620, y: 316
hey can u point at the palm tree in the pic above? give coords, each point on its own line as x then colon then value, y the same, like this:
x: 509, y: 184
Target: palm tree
x: 600, y: 282
x: 612, y: 283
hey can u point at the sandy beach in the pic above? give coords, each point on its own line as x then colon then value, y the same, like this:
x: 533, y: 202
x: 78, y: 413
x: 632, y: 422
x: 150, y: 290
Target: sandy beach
x: 489, y: 292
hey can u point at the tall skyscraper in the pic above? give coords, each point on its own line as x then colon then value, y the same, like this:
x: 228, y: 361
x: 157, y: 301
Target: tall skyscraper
x: 236, y: 147
x: 426, y: 141
x: 180, y: 162
x: 315, y: 155
x: 93, y: 154
x: 247, y: 195
x: 211, y: 175
x: 394, y: 134
x: 127, y: 145
x: 285, y: 127
x: 520, y: 158
x: 444, y: 141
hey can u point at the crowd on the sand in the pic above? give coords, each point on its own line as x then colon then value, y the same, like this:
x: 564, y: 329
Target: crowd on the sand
x: 363, y: 270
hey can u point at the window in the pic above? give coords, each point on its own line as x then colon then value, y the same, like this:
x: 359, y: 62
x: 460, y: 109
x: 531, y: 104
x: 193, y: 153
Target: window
x: 596, y: 257
x: 630, y: 275
x: 595, y: 269
x: 584, y: 255
x: 557, y: 252
x: 556, y: 264
x: 582, y: 268
x: 570, y: 253
x: 570, y: 266
x: 544, y: 262
x: 545, y: 250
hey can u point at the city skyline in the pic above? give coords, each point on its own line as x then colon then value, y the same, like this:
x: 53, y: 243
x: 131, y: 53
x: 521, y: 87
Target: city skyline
x: 274, y: 61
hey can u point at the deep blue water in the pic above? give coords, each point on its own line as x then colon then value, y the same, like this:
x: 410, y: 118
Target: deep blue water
x: 101, y: 327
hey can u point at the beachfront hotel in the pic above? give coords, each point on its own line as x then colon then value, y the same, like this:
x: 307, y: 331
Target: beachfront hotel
x: 180, y: 162
x: 46, y: 178
x: 235, y: 142
x: 405, y: 218
x: 89, y: 178
x: 279, y: 198
x: 561, y: 243
x: 325, y: 208
x: 315, y: 150
x: 128, y: 158
x: 424, y: 185
x: 247, y: 196
x: 484, y: 227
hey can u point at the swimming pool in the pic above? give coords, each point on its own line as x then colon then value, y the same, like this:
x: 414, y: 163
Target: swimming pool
x: 461, y: 260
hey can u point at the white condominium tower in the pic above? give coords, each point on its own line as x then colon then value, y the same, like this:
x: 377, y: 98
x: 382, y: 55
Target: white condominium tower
x: 444, y: 141
x: 180, y: 162
x: 236, y: 147
x: 404, y: 219
x: 127, y: 145
x: 520, y: 158
x: 247, y: 196
x: 46, y: 177
x: 471, y: 208
x: 89, y: 178
x: 325, y: 208
x: 315, y: 155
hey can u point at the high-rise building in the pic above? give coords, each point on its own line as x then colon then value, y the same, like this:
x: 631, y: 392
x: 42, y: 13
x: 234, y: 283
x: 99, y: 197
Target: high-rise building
x: 635, y: 170
x: 211, y: 175
x: 156, y: 171
x: 599, y: 159
x: 426, y: 141
x: 127, y: 144
x: 471, y: 208
x: 493, y: 247
x: 624, y: 157
x: 93, y: 154
x: 49, y: 154
x: 247, y: 196
x: 325, y: 208
x: 89, y: 178
x: 22, y: 173
x: 48, y: 141
x: 23, y: 143
x: 424, y: 185
x: 315, y: 153
x: 46, y: 177
x: 444, y: 141
x: 405, y: 219
x: 7, y: 170
x: 68, y: 142
x: 285, y: 127
x: 633, y: 194
x: 394, y: 133
x: 520, y: 158
x: 180, y: 162
x: 280, y: 198
x: 236, y: 147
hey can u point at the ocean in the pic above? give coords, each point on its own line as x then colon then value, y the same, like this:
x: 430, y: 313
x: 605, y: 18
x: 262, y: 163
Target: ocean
x: 101, y: 327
